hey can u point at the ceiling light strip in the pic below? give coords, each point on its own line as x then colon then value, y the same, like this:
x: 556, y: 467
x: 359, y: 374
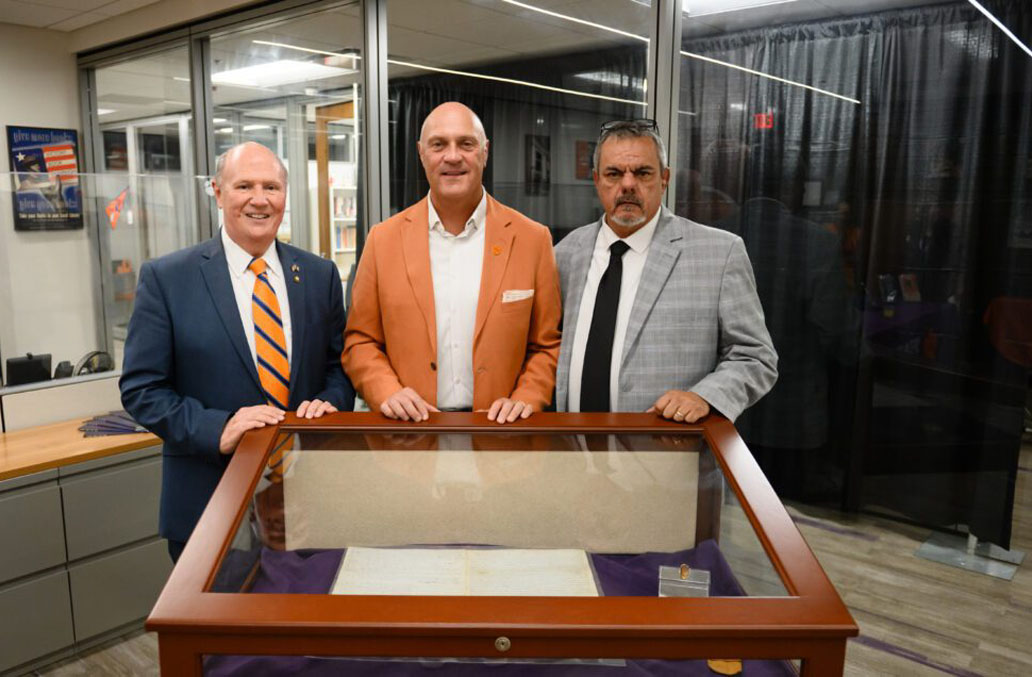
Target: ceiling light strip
x: 574, y: 19
x: 510, y: 81
x: 302, y: 49
x: 769, y: 77
x: 1002, y: 26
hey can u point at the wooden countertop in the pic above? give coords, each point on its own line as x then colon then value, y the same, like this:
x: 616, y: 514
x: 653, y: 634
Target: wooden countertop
x: 50, y: 446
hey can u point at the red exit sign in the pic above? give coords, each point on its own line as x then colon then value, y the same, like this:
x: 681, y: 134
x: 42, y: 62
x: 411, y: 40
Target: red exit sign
x: 763, y: 120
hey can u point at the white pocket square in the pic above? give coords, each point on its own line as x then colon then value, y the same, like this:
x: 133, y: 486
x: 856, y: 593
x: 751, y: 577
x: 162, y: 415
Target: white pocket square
x: 510, y: 295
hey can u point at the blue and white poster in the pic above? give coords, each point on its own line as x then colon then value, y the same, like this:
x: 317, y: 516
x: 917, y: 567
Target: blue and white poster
x: 45, y: 165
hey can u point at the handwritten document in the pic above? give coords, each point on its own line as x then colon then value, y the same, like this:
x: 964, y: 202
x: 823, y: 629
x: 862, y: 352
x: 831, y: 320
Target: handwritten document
x: 499, y: 572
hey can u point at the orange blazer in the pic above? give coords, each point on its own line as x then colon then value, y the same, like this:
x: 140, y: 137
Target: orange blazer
x: 391, y: 336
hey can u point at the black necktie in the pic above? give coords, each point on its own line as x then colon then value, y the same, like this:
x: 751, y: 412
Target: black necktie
x: 598, y: 355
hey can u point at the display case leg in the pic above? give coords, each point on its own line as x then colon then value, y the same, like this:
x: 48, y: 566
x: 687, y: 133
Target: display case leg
x: 828, y: 661
x: 177, y: 659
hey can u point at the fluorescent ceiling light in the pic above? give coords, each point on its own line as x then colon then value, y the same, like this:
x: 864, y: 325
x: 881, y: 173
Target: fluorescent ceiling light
x: 696, y: 8
x: 276, y: 73
x: 105, y: 111
x: 179, y: 79
x: 254, y: 128
x: 1002, y: 27
x: 218, y: 120
x: 224, y: 130
x: 481, y: 76
x: 338, y: 136
x: 337, y: 57
x: 765, y: 75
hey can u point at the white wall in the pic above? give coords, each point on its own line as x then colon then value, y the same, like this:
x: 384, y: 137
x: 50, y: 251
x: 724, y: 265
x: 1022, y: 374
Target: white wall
x: 46, y: 279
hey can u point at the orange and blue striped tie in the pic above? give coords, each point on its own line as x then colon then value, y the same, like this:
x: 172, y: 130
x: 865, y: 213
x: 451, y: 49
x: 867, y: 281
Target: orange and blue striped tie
x: 270, y: 342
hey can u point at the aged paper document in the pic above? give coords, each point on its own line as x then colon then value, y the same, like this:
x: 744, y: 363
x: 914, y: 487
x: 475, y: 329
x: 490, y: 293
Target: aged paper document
x: 465, y: 571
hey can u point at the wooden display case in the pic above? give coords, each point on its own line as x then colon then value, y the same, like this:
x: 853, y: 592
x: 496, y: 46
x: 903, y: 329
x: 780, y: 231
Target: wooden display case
x: 642, y: 473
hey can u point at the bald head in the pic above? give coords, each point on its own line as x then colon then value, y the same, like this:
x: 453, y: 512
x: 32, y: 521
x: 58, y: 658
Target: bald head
x: 453, y: 111
x: 250, y: 149
x: 453, y: 149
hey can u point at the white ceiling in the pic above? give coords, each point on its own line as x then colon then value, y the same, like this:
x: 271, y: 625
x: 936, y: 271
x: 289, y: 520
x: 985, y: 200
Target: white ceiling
x: 65, y: 15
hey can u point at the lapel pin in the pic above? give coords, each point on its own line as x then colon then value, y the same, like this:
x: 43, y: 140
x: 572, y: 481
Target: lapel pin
x: 295, y: 268
x: 496, y: 249
x: 297, y: 278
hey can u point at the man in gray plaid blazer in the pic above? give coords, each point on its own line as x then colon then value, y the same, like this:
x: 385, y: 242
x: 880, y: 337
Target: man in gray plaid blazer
x: 659, y: 313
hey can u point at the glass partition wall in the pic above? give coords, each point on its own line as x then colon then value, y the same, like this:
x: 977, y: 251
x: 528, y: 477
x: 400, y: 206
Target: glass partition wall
x: 874, y: 157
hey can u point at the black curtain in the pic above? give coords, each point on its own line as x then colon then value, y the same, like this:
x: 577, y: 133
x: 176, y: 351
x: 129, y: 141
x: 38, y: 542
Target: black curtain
x: 892, y: 243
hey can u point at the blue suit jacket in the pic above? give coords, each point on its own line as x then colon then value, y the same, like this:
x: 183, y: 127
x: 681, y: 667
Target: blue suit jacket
x: 188, y: 368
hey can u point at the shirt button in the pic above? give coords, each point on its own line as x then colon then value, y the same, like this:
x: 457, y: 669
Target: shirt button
x: 481, y: 370
x: 626, y: 386
x: 433, y: 366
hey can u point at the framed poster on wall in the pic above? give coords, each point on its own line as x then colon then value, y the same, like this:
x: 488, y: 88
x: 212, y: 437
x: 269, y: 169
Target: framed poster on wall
x: 45, y: 168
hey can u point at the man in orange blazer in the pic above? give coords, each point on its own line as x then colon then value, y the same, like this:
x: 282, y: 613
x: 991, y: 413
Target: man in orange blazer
x: 455, y: 304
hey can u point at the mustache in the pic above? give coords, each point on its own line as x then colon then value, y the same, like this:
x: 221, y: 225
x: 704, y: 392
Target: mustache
x: 629, y: 199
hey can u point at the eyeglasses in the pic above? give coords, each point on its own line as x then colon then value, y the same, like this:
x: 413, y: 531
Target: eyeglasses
x: 638, y: 125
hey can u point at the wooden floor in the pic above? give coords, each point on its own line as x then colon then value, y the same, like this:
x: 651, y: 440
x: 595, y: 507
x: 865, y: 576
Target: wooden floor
x: 917, y: 618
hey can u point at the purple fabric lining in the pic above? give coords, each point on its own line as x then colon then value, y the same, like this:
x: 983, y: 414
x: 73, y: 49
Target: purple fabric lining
x: 620, y: 575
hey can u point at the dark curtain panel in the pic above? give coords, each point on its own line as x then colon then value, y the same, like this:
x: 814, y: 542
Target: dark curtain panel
x: 892, y: 243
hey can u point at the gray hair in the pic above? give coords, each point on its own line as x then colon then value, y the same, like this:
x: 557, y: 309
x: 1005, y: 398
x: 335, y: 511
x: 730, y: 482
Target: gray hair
x: 220, y: 161
x: 631, y: 129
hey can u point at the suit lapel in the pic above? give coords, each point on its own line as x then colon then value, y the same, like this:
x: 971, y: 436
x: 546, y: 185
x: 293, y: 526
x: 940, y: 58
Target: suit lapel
x: 498, y: 237
x: 296, y: 296
x: 663, y: 254
x: 415, y: 247
x: 577, y: 277
x: 215, y: 271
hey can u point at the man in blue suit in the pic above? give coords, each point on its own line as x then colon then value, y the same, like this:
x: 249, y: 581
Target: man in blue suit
x: 227, y: 334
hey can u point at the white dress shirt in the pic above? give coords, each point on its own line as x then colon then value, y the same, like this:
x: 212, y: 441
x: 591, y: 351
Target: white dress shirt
x: 243, y: 286
x: 633, y: 264
x: 456, y: 264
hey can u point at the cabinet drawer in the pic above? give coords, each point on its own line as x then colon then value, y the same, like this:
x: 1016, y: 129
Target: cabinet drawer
x: 35, y: 619
x: 111, y: 507
x: 31, y: 530
x: 116, y: 589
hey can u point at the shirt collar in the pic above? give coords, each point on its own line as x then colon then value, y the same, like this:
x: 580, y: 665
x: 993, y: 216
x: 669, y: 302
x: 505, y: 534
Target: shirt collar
x: 639, y: 241
x: 476, y: 219
x: 239, y: 260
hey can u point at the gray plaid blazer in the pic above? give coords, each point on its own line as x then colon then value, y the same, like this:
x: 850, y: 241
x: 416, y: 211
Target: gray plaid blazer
x: 696, y: 324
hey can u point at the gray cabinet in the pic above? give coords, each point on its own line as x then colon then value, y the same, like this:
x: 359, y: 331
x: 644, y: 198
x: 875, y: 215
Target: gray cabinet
x: 81, y: 558
x: 109, y: 507
x: 30, y: 530
x: 35, y: 619
x: 111, y: 590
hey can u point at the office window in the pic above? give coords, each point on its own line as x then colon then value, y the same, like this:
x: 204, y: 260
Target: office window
x: 295, y: 86
x: 143, y: 106
x: 876, y: 165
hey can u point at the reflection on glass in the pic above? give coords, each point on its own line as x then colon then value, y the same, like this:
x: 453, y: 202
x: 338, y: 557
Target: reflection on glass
x: 295, y: 87
x: 882, y: 196
x: 542, y: 76
x: 630, y: 502
x: 144, y: 201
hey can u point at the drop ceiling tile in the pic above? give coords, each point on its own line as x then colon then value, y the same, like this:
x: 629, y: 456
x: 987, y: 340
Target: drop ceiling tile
x: 26, y: 14
x: 78, y: 21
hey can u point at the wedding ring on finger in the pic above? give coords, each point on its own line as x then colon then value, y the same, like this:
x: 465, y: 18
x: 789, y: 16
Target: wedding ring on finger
x: 678, y: 414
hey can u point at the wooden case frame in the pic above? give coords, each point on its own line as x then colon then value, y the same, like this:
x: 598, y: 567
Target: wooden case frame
x: 811, y: 623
